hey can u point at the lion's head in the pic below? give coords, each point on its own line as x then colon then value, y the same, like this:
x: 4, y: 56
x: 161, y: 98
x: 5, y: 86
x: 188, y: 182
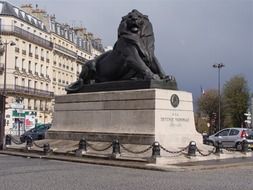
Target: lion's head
x: 136, y: 23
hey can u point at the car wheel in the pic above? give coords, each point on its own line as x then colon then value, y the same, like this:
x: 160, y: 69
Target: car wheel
x: 211, y: 143
x: 40, y: 137
x: 238, y: 146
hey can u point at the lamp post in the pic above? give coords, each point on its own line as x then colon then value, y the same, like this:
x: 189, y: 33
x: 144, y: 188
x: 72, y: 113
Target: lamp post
x: 2, y: 129
x: 219, y: 66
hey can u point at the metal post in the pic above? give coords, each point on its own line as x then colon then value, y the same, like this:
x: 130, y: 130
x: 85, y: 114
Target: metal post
x: 218, y: 147
x: 82, y: 147
x: 8, y: 140
x: 115, y: 148
x: 192, y: 148
x: 46, y: 148
x: 245, y: 146
x: 156, y: 149
x: 219, y: 66
x: 29, y: 142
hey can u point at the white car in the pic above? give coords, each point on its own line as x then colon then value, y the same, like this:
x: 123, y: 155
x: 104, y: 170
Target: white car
x: 231, y: 137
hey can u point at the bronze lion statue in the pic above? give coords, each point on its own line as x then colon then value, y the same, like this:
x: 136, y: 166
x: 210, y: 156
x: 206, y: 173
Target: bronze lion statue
x: 132, y: 57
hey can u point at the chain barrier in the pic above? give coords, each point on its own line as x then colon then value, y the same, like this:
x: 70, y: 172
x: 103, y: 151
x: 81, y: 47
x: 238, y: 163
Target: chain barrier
x: 174, y: 152
x: 230, y: 149
x: 16, y: 141
x: 136, y: 152
x: 97, y: 149
x: 37, y: 145
x: 208, y: 154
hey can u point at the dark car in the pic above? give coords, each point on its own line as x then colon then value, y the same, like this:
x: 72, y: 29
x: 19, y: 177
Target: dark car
x: 36, y: 133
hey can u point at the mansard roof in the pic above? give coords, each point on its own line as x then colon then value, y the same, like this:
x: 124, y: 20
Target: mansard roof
x: 9, y: 10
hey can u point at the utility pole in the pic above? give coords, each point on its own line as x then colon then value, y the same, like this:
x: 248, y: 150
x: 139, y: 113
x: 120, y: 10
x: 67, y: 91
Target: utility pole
x: 3, y: 96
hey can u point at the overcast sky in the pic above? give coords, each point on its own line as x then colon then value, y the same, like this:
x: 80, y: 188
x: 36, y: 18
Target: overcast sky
x: 191, y: 35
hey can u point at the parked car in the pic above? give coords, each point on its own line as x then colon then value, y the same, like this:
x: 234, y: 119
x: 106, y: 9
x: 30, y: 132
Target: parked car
x: 231, y: 137
x: 36, y: 133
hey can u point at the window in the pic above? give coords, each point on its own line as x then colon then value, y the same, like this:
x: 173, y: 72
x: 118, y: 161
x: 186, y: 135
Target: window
x: 41, y: 69
x: 223, y: 133
x: 35, y: 84
x: 29, y: 83
x: 30, y: 48
x: 16, y: 81
x: 46, y: 70
x: 23, y: 64
x: 23, y: 81
x: 233, y: 132
x: 35, y: 68
x: 29, y: 66
x: 16, y: 62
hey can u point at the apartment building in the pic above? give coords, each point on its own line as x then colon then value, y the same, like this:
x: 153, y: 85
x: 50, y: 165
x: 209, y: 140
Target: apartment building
x: 47, y: 56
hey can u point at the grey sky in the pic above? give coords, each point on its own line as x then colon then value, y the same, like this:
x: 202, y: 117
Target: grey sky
x: 191, y: 35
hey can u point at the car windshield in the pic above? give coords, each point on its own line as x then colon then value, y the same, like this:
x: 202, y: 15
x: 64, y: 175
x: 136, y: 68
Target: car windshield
x: 39, y: 128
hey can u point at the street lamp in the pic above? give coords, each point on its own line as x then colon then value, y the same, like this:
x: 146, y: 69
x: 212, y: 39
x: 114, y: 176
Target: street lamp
x: 219, y: 66
x: 2, y: 129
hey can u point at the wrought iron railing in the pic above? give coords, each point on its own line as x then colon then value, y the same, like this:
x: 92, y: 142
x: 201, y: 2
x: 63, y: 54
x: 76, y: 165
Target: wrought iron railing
x: 19, y: 32
x: 27, y: 90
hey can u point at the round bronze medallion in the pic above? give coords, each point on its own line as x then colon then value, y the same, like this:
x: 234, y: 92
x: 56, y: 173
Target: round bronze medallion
x: 174, y: 100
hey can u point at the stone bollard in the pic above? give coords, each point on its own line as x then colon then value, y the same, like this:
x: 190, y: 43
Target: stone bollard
x: 192, y: 148
x: 245, y: 146
x: 46, y: 148
x: 29, y: 142
x: 156, y: 149
x: 8, y: 140
x: 82, y: 147
x: 115, y: 148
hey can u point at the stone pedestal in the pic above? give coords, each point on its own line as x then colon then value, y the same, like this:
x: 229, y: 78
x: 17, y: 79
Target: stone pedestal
x: 132, y: 116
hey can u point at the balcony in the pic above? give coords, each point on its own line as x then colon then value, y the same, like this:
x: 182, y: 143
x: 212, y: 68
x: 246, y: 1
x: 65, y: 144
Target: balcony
x: 19, y: 32
x: 36, y: 56
x: 30, y: 54
x: 65, y: 50
x: 16, y: 89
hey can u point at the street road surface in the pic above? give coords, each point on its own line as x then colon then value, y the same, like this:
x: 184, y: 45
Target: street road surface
x: 17, y: 173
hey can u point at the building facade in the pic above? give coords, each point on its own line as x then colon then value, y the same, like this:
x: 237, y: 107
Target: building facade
x: 47, y: 56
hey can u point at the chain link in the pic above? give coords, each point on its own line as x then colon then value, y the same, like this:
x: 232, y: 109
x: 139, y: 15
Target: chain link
x: 37, y: 145
x: 15, y: 141
x: 208, y: 154
x: 173, y: 152
x: 99, y: 150
x: 136, y: 152
x: 230, y: 149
